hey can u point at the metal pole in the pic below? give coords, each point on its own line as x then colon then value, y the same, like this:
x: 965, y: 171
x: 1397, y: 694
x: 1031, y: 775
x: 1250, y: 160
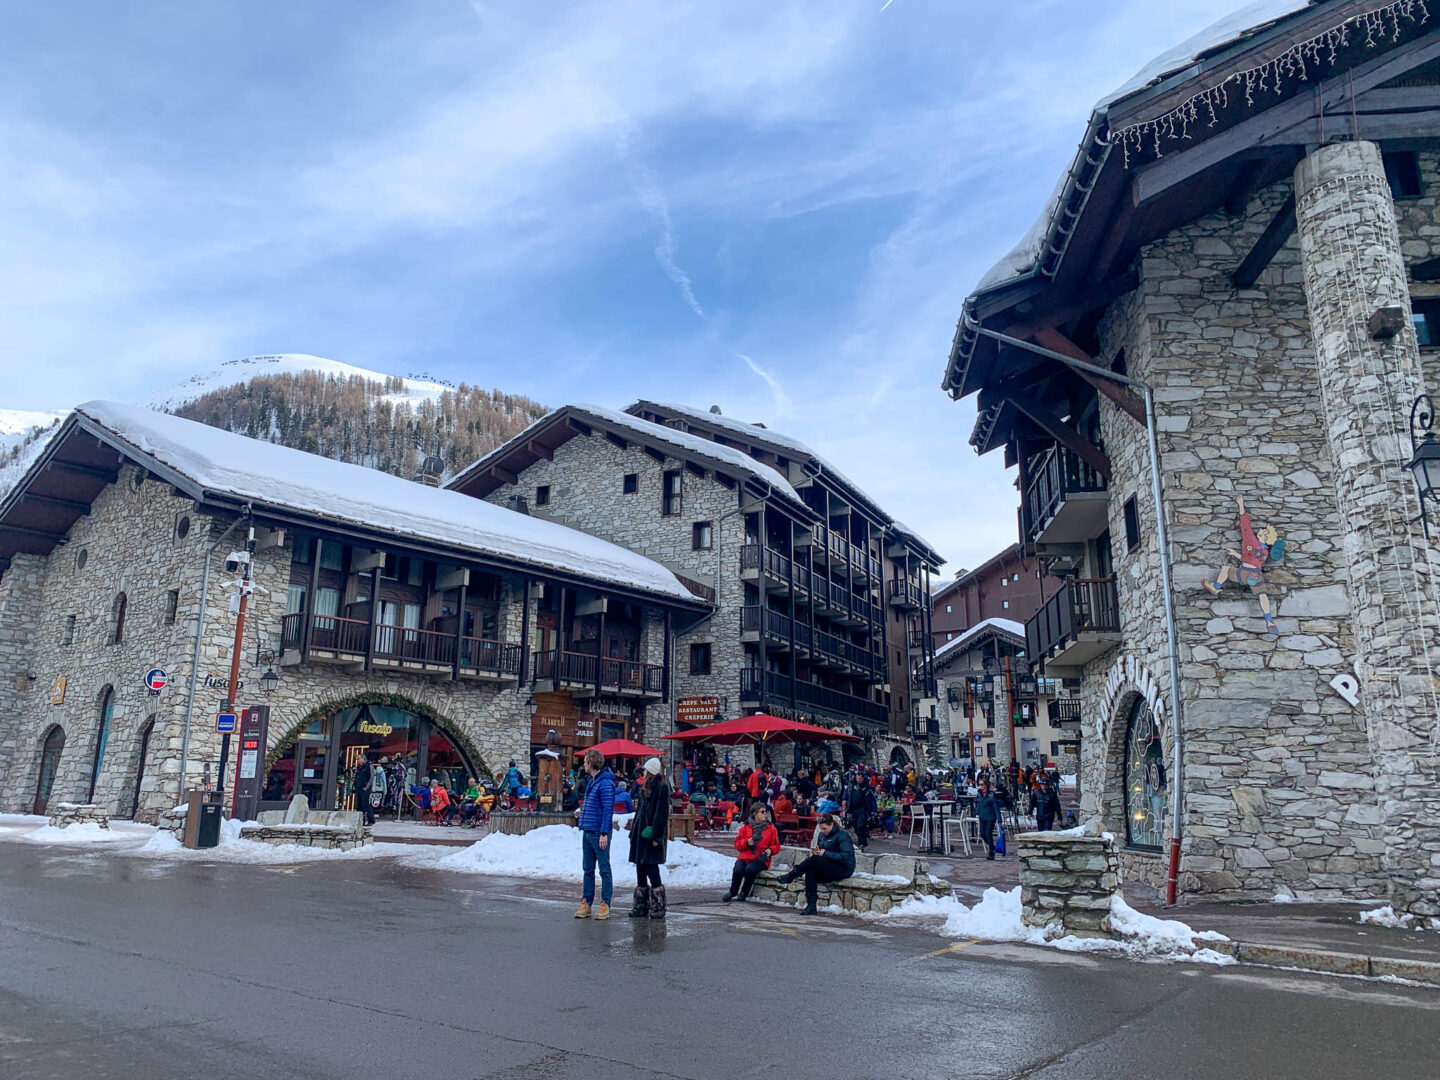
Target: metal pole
x: 195, y: 657
x: 1162, y: 541
x: 245, y: 577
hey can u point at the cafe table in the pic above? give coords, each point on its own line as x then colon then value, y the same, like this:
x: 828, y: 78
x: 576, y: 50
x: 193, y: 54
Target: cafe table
x: 934, y: 809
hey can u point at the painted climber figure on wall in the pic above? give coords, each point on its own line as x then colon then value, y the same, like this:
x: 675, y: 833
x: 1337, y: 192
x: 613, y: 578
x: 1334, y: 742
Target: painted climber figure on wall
x: 1255, y: 551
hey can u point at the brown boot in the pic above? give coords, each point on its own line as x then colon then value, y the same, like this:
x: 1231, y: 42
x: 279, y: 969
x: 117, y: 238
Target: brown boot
x: 657, y: 902
x: 583, y: 911
x: 603, y: 911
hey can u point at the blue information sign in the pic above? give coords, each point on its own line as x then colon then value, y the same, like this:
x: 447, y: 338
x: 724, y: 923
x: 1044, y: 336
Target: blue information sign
x: 225, y: 723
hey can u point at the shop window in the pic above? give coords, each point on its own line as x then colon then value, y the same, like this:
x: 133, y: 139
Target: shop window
x: 631, y: 483
x: 670, y: 500
x: 1146, y: 793
x: 1132, y: 524
x: 172, y: 606
x: 542, y: 495
x: 700, y: 659
x: 117, y: 619
x: 1402, y: 171
x: 702, y: 536
x: 67, y: 636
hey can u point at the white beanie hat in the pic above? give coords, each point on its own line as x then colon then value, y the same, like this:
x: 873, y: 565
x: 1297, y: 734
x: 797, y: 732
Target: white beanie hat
x: 653, y: 766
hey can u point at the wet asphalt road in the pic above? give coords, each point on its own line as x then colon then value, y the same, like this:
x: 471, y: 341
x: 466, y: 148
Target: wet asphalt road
x: 123, y: 967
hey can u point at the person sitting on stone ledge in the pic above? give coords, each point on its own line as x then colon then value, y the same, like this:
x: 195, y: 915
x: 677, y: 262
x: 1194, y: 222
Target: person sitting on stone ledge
x: 755, y: 843
x: 831, y: 859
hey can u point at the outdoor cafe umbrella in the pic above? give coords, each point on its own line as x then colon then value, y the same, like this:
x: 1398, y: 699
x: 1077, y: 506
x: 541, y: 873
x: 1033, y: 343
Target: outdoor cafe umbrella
x: 625, y: 748
x: 758, y: 730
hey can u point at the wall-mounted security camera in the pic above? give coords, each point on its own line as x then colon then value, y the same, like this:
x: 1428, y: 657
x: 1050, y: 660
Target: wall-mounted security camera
x: 235, y: 560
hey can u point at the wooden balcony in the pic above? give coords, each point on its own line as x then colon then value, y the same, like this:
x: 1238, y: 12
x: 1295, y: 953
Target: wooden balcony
x: 905, y: 595
x: 1076, y: 625
x: 1065, y: 501
x: 820, y: 698
x: 336, y: 640
x: 1065, y: 713
x: 824, y: 650
x: 577, y: 673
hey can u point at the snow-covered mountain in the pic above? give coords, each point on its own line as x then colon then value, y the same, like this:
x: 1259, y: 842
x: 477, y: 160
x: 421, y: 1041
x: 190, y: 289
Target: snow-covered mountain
x: 234, y: 372
x: 384, y: 424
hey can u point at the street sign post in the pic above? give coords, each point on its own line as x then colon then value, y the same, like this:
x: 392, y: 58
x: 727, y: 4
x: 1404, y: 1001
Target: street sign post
x: 250, y: 761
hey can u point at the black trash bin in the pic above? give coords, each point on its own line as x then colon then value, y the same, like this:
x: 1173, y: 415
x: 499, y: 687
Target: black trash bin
x: 207, y: 833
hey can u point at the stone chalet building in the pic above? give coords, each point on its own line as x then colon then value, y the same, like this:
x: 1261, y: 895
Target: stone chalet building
x: 395, y: 617
x: 821, y: 608
x: 1251, y: 226
x: 989, y: 699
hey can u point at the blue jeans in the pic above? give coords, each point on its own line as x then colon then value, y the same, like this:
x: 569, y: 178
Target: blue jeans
x: 594, y: 853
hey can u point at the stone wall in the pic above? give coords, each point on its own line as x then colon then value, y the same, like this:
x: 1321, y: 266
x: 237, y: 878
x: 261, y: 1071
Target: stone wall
x: 586, y: 493
x: 1277, y: 780
x: 131, y: 545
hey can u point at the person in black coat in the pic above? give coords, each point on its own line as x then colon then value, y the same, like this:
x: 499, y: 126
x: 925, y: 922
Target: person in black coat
x: 861, y: 807
x: 649, y: 837
x: 831, y: 859
x: 1047, y: 807
x: 365, y: 780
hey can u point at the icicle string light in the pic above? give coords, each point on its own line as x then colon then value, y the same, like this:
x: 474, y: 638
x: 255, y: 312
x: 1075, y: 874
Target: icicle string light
x: 1296, y: 62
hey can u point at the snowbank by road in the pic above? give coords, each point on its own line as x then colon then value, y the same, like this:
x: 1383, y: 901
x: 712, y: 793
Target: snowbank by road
x: 997, y: 918
x: 554, y: 852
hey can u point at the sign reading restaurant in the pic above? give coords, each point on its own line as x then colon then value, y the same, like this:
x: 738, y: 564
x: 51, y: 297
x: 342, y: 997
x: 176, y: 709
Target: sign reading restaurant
x: 696, y: 710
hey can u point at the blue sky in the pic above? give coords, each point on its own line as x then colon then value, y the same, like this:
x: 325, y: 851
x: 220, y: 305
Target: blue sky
x: 773, y: 207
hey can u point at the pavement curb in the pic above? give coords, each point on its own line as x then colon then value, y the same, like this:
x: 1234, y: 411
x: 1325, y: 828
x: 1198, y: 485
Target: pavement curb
x: 1329, y: 963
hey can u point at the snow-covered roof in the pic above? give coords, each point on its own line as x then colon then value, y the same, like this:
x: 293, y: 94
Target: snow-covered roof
x: 764, y: 436
x: 279, y: 478
x: 727, y: 459
x: 1009, y: 626
x: 1023, y: 259
x: 737, y: 460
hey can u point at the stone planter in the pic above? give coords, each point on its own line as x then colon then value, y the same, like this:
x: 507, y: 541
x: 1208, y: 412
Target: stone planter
x: 63, y: 815
x: 1066, y: 881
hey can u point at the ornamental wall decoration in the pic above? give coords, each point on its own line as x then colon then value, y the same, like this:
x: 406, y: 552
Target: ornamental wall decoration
x: 1256, y: 552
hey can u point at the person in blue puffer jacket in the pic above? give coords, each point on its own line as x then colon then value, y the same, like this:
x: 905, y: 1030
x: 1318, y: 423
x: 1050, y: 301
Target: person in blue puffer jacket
x: 597, y: 820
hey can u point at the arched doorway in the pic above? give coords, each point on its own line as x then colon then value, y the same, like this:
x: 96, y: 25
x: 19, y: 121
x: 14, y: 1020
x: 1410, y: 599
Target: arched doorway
x: 319, y: 761
x: 1145, y: 786
x: 102, y: 737
x: 899, y: 757
x: 140, y: 767
x: 49, y: 765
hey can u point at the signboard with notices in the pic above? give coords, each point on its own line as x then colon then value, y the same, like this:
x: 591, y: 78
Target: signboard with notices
x: 254, y: 730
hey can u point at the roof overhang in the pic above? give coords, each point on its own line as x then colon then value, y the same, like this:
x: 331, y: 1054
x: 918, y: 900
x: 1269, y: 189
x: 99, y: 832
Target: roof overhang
x: 1133, y: 182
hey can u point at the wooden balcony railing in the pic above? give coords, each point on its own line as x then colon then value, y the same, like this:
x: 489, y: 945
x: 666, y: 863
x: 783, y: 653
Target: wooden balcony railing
x: 581, y: 669
x: 905, y: 594
x: 1056, y: 474
x: 1080, y: 606
x: 404, y: 644
x: 777, y: 689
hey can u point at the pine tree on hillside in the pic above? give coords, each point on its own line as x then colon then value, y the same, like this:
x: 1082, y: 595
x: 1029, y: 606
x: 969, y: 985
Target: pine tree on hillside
x: 349, y: 418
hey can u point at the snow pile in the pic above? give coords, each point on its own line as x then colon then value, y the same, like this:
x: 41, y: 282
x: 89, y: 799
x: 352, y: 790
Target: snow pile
x: 553, y: 851
x: 1385, y: 916
x: 233, y: 849
x: 84, y: 833
x: 997, y: 918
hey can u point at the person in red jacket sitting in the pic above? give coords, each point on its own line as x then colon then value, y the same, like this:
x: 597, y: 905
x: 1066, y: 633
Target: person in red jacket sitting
x: 440, y: 801
x: 754, y: 845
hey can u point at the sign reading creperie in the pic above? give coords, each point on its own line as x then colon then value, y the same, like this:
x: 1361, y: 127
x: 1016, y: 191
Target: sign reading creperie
x: 696, y: 710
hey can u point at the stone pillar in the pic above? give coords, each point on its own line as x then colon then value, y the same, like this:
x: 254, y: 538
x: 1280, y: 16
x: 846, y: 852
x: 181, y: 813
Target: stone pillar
x: 1067, y: 881
x: 1353, y: 266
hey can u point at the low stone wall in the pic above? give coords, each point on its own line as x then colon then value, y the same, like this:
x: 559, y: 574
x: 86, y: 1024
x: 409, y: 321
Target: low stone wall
x: 872, y: 888
x: 1067, y: 880
x: 337, y: 830
x: 63, y: 815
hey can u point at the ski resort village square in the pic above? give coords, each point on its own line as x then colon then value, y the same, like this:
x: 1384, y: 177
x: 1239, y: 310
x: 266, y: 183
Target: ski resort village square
x: 1035, y: 695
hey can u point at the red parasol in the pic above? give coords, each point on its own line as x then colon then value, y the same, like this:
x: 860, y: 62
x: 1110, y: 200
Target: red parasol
x: 625, y: 748
x: 760, y: 728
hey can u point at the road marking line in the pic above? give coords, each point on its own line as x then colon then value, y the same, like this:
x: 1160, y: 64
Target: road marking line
x: 948, y: 949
